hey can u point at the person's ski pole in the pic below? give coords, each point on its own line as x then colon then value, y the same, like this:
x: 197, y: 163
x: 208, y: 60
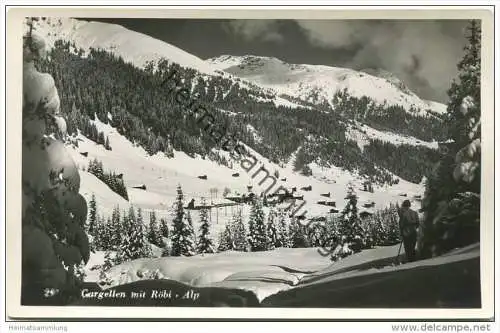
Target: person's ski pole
x: 399, y: 251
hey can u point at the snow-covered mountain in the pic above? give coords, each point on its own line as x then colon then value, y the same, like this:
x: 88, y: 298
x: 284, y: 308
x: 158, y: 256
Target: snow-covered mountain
x: 314, y: 84
x: 318, y: 84
x: 136, y: 48
x: 132, y: 46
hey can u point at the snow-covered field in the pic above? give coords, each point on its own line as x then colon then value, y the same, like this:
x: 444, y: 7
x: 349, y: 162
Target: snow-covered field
x: 264, y: 273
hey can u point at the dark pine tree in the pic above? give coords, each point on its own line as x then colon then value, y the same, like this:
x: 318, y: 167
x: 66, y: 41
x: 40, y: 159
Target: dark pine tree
x: 271, y: 231
x: 100, y: 138
x: 154, y: 233
x: 297, y: 232
x: 164, y: 231
x: 116, y: 229
x: 106, y: 144
x: 164, y: 236
x: 92, y: 215
x: 182, y: 233
x: 205, y: 244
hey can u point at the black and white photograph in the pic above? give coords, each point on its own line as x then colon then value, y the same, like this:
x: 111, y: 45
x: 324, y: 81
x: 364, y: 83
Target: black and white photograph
x: 269, y: 162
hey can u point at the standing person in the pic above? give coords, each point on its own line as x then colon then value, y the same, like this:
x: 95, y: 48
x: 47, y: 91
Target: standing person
x: 408, y: 224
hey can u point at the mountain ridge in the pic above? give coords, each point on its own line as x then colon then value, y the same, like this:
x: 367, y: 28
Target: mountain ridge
x: 309, y: 81
x: 313, y: 87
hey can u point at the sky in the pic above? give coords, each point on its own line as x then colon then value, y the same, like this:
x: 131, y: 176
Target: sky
x: 423, y: 54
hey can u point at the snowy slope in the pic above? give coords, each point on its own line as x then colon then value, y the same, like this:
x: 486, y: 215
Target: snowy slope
x: 362, y: 134
x: 371, y: 280
x: 133, y: 47
x: 136, y: 48
x: 318, y: 84
x: 161, y: 175
x: 440, y: 108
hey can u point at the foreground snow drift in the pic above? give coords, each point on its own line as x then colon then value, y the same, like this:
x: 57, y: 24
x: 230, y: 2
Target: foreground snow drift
x: 449, y: 281
x: 303, y: 278
x: 264, y: 273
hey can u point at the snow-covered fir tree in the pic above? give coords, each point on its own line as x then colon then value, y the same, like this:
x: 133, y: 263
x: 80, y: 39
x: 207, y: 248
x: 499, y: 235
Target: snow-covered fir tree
x: 178, y: 224
x: 352, y: 236
x: 383, y: 227
x: 239, y: 233
x: 115, y: 229
x: 54, y: 241
x: 183, y: 241
x: 271, y: 231
x: 109, y: 261
x: 92, y: 224
x: 164, y: 231
x: 464, y: 107
x: 100, y: 138
x: 297, y: 233
x: 390, y: 219
x: 283, y: 236
x: 378, y: 232
x: 332, y: 232
x: 316, y: 234
x: 97, y: 236
x: 451, y: 202
x: 154, y: 233
x: 140, y: 218
x: 190, y: 239
x: 102, y: 233
x: 226, y: 240
x: 205, y: 243
x: 165, y: 234
x: 134, y: 244
x: 96, y: 168
x: 92, y: 215
x: 257, y: 236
